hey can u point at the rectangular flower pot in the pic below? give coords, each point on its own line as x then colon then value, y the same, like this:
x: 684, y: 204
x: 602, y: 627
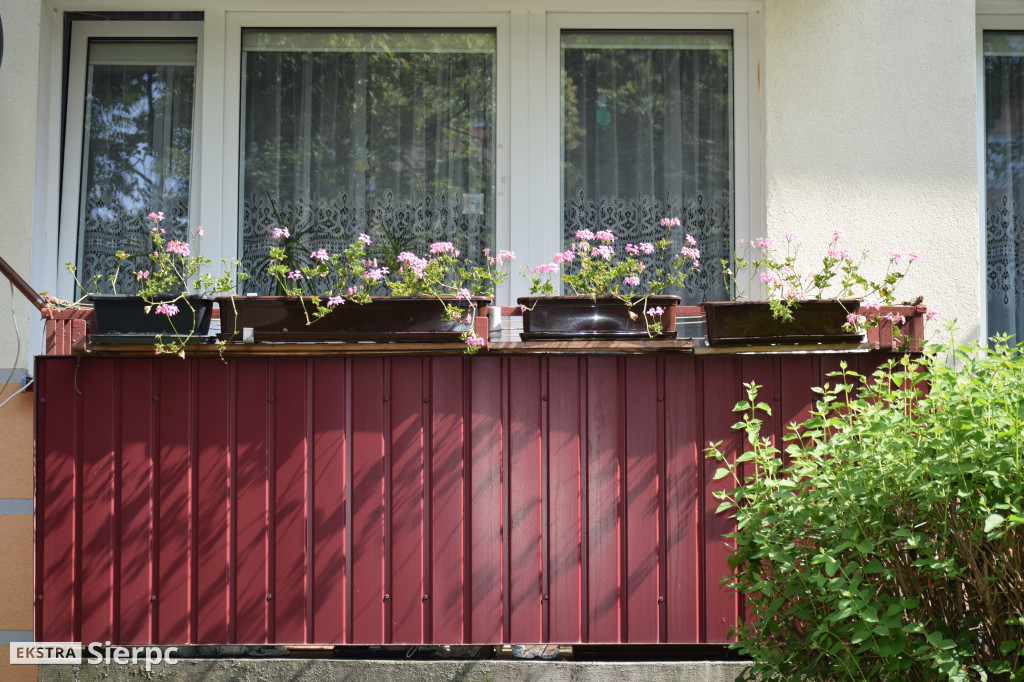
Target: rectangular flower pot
x: 282, y: 318
x: 751, y: 323
x: 122, y: 315
x: 606, y: 318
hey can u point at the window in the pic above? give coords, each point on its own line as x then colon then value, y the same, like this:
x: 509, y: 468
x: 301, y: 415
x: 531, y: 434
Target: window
x: 506, y: 129
x: 385, y: 133
x: 129, y: 144
x: 1003, y: 106
x: 647, y: 133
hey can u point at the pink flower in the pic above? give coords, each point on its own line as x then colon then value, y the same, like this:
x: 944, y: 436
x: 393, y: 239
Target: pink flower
x: 838, y: 234
x: 352, y: 291
x: 855, y: 319
x: 840, y: 254
x: 690, y: 240
x: 522, y: 308
x: 895, y: 255
x: 505, y: 256
x: 156, y: 216
x: 604, y: 251
x: 281, y: 232
x: 294, y: 274
x: 180, y: 248
x: 764, y: 242
x: 168, y: 309
x: 768, y: 278
x: 632, y: 249
x: 871, y: 304
x: 791, y: 237
x: 320, y: 255
x: 605, y: 236
x: 142, y: 274
x: 565, y: 256
x: 335, y: 301
x: 417, y: 264
x: 364, y: 238
x: 463, y: 295
x: 656, y: 311
x: 199, y: 230
x: 647, y: 247
x: 585, y: 235
x: 631, y: 281
x: 689, y: 252
x: 914, y: 257
x: 546, y: 269
x: 375, y: 274
x: 669, y: 222
x: 443, y: 247
x: 931, y: 315
x: 475, y: 341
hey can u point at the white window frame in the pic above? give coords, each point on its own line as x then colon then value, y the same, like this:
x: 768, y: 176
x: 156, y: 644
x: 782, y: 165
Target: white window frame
x: 74, y: 130
x: 238, y: 21
x: 746, y: 128
x: 1004, y: 21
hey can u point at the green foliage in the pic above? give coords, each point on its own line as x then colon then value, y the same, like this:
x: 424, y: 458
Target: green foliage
x: 891, y: 545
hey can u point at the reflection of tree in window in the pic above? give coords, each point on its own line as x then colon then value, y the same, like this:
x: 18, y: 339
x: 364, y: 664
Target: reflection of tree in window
x: 647, y: 133
x: 138, y: 147
x: 368, y: 132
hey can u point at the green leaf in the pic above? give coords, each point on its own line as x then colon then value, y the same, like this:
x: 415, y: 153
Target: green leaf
x: 993, y: 521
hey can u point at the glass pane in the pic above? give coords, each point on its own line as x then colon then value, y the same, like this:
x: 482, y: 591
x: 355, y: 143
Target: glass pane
x: 647, y: 133
x: 385, y: 133
x: 1004, y: 182
x: 137, y: 151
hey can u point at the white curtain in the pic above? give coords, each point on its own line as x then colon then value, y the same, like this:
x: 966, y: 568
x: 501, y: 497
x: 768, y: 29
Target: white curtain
x: 647, y: 133
x: 1004, y: 182
x: 390, y: 134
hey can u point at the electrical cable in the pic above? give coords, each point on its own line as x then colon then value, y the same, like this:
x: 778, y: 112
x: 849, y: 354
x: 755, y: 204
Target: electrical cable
x: 17, y: 352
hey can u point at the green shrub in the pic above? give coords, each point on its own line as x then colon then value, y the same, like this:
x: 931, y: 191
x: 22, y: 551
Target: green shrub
x: 892, y: 544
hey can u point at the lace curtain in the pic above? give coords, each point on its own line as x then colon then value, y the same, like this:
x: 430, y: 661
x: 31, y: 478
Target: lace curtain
x: 390, y: 134
x: 137, y: 154
x: 1004, y: 182
x: 647, y: 134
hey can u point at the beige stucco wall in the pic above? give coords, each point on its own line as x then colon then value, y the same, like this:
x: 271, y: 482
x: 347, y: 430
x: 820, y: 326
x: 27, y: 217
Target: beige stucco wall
x: 18, y: 85
x: 870, y: 127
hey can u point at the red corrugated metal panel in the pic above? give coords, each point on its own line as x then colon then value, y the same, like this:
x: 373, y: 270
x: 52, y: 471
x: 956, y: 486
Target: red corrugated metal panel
x: 400, y: 500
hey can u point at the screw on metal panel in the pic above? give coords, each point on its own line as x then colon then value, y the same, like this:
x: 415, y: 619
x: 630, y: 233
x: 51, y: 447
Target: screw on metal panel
x: 156, y: 399
x: 544, y: 398
x: 386, y: 399
x: 42, y: 400
x: 661, y: 600
x: 426, y: 400
x: 426, y: 597
x: 39, y: 597
x: 153, y: 598
x: 270, y: 399
x: 661, y: 399
x: 269, y: 597
x: 545, y: 597
x: 386, y: 597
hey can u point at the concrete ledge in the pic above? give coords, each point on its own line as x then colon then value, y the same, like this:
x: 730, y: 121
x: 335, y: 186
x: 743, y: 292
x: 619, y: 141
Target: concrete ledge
x: 321, y: 670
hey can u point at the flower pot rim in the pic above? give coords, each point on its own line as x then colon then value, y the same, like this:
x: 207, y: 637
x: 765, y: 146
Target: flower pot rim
x: 765, y: 301
x: 603, y: 298
x: 373, y: 299
x: 108, y: 297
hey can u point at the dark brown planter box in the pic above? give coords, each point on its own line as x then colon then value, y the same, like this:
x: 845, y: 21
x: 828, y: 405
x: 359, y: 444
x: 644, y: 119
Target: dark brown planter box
x: 121, y: 315
x: 281, y: 318
x: 751, y: 323
x: 606, y: 318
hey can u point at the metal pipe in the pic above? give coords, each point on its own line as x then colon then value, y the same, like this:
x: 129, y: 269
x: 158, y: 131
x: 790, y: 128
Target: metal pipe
x: 28, y: 292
